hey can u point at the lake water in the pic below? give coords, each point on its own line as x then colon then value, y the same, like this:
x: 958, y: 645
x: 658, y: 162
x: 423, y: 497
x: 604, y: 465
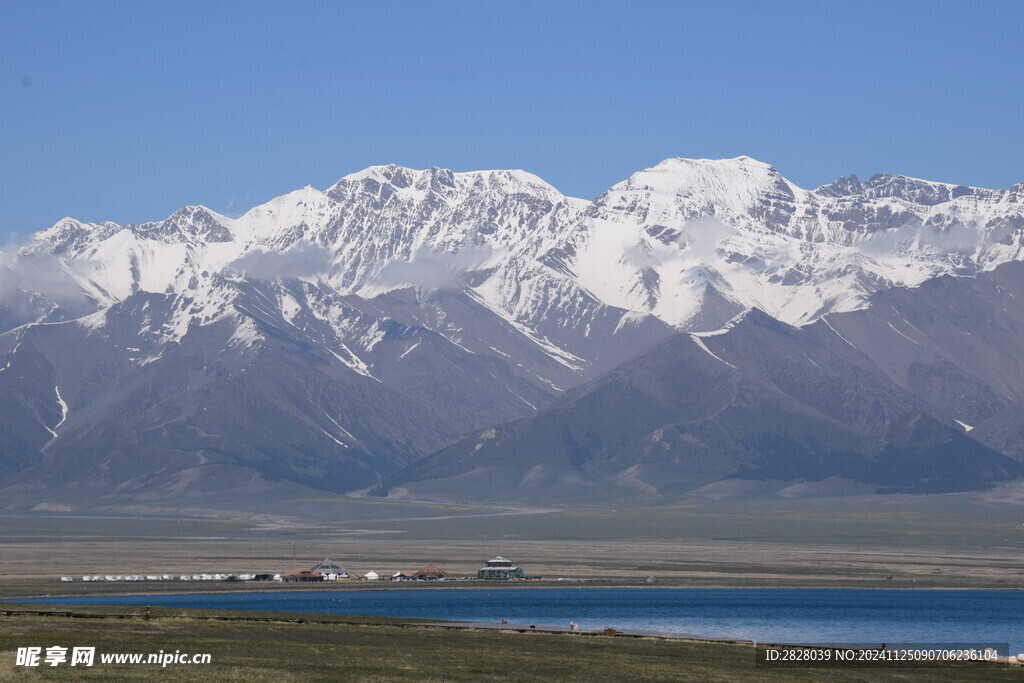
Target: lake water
x: 784, y: 616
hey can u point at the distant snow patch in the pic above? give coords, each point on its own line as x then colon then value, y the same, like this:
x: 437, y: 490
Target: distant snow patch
x: 340, y: 429
x: 629, y: 319
x: 63, y: 408
x: 700, y: 342
x: 825, y: 320
x: 902, y: 335
x: 354, y: 362
x: 408, y: 351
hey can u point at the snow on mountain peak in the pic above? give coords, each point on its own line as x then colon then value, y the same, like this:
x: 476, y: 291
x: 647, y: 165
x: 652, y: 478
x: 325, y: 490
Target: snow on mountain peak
x: 440, y: 180
x: 697, y: 187
x: 68, y: 236
x: 381, y: 173
x: 842, y: 187
x: 917, y: 191
x: 739, y: 229
x: 285, y: 219
x: 189, y: 222
x: 505, y: 179
x: 690, y: 241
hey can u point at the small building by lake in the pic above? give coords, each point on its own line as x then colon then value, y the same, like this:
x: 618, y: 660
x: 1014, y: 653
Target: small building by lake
x: 430, y: 573
x: 500, y: 569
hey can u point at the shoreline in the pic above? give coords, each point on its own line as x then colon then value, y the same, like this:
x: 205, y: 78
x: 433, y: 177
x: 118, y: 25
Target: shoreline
x: 270, y: 589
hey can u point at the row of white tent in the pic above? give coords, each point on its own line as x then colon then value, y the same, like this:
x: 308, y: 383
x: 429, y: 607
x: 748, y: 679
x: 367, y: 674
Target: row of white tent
x: 369, y: 576
x: 166, y: 577
x: 221, y: 577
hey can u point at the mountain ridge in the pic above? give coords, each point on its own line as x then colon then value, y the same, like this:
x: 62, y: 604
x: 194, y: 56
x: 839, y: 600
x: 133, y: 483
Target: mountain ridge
x: 762, y: 400
x: 304, y: 214
x: 406, y: 308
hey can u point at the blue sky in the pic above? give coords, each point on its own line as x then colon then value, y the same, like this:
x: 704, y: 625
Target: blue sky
x: 125, y: 111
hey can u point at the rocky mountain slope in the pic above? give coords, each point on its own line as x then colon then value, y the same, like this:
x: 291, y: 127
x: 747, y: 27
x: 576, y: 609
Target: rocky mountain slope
x: 334, y: 337
x: 877, y: 399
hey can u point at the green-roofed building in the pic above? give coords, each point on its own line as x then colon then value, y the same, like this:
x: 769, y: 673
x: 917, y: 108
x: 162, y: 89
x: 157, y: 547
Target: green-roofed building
x: 500, y: 569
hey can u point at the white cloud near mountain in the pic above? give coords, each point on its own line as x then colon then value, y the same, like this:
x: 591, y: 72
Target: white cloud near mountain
x: 433, y: 270
x: 305, y: 259
x: 957, y: 238
x: 50, y: 276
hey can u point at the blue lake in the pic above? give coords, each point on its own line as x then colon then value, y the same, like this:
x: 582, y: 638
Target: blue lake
x: 786, y: 616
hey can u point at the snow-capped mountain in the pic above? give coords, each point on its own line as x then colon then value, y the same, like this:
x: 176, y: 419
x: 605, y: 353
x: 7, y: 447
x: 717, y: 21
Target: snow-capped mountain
x: 400, y: 308
x: 677, y: 239
x: 663, y: 242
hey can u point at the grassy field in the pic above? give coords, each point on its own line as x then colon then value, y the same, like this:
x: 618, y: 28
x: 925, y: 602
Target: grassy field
x: 350, y: 650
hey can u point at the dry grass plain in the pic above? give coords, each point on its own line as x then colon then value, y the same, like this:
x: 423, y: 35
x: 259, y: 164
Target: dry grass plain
x: 36, y: 549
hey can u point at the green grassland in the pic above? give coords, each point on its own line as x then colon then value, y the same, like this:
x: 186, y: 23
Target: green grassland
x: 349, y: 649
